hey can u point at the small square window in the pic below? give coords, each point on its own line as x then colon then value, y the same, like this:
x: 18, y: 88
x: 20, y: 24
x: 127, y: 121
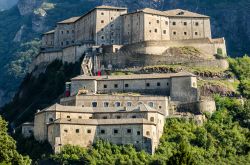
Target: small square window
x: 167, y: 83
x: 129, y: 104
x: 185, y: 23
x: 79, y: 117
x: 158, y: 84
x: 94, y: 104
x: 129, y: 131
x: 138, y: 133
x: 158, y: 21
x: 149, y: 23
x: 102, y: 29
x: 147, y: 133
x: 68, y: 117
x: 102, y: 21
x: 89, y: 131
x: 67, y: 32
x: 185, y: 33
x: 118, y: 117
x: 134, y: 117
x: 156, y: 30
x: 77, y: 130
x: 106, y: 104
x: 102, y: 37
x: 166, y: 22
x: 102, y: 131
x: 66, y: 130
x: 116, y: 85
x: 196, y: 23
x: 105, y: 86
x: 104, y: 117
x: 164, y: 31
x: 126, y: 85
x: 174, y: 33
x: 160, y: 107
x: 62, y: 32
x: 150, y: 31
x: 148, y: 84
x: 102, y: 13
x: 174, y: 23
x: 117, y: 104
x: 116, y: 131
x: 196, y: 33
x: 112, y: 18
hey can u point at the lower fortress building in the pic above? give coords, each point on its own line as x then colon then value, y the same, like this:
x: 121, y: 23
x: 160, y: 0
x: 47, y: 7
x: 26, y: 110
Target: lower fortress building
x: 128, y: 109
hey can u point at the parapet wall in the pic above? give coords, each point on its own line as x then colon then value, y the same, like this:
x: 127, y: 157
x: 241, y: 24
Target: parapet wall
x: 69, y: 54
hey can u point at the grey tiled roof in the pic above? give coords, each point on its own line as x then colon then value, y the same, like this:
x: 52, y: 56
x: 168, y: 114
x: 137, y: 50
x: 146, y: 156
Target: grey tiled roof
x: 70, y: 20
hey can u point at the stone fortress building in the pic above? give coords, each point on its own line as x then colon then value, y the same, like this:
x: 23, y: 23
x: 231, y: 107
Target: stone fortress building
x: 129, y: 109
x: 125, y: 109
x: 146, y: 31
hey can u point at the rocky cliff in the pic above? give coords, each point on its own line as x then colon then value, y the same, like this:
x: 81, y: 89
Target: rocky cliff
x: 20, y: 25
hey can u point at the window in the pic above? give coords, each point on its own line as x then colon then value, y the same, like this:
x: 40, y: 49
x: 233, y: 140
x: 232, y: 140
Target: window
x: 111, y: 25
x: 102, y: 37
x: 94, y: 104
x: 196, y: 23
x: 158, y: 21
x: 106, y: 104
x: 158, y: 84
x: 68, y: 117
x: 102, y: 29
x: 67, y: 32
x: 104, y: 117
x: 174, y: 23
x: 126, y: 85
x: 138, y: 133
x: 73, y: 31
x: 65, y: 130
x: 117, y: 104
x: 112, y: 18
x: 90, y: 117
x: 102, y: 13
x: 167, y: 83
x: 134, y: 117
x: 118, y: 117
x: 77, y: 130
x: 129, y: 131
x: 164, y: 31
x: 151, y: 104
x: 62, y: 32
x: 150, y: 31
x: 148, y: 84
x: 152, y: 119
x: 128, y: 33
x: 116, y: 85
x: 72, y: 42
x: 185, y: 23
x: 149, y: 23
x: 105, y: 86
x: 50, y: 119
x: 116, y: 131
x: 156, y: 30
x: 147, y: 133
x: 102, y: 131
x: 159, y: 107
x: 196, y: 33
x: 67, y: 42
x: 62, y: 43
x: 174, y: 32
x: 102, y: 21
x: 185, y: 33
x: 89, y: 131
x: 166, y: 22
x: 129, y: 104
x: 79, y: 117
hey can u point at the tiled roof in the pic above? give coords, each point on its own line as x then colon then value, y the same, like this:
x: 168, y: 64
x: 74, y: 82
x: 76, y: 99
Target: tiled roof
x: 134, y: 76
x: 183, y: 13
x: 61, y: 108
x: 70, y: 20
x: 50, y: 32
x: 110, y: 7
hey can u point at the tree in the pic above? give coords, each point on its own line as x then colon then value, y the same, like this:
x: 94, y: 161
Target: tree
x: 8, y: 152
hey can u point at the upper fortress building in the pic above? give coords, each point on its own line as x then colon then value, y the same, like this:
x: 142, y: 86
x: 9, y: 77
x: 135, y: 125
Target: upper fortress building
x: 107, y: 25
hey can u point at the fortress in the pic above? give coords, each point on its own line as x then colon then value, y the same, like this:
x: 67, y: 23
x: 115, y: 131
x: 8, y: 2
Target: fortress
x: 114, y: 33
x: 123, y: 109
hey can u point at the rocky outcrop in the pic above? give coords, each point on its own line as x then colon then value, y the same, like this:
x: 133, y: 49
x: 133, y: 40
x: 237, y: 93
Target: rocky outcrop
x: 27, y: 7
x: 18, y: 36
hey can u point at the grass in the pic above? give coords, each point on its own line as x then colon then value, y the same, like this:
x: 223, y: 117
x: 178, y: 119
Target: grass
x: 231, y: 85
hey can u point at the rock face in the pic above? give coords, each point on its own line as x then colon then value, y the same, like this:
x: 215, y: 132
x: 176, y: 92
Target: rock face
x: 26, y: 7
x: 18, y: 36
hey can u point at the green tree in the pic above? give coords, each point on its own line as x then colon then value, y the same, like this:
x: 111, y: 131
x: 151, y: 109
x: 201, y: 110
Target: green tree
x: 8, y: 152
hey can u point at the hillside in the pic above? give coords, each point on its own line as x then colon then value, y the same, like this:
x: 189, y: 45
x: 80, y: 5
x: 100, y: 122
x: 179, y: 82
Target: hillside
x: 21, y: 26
